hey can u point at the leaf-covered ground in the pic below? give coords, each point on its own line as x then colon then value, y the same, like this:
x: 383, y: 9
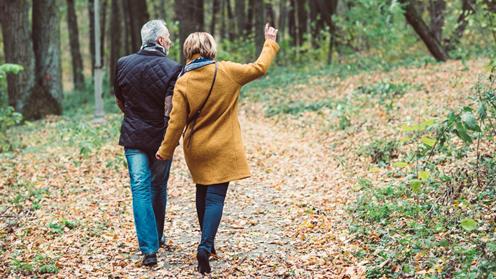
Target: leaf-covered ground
x: 66, y: 205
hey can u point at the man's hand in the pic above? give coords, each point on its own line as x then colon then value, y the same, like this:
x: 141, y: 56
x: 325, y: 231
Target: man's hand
x: 158, y: 157
x: 120, y: 104
x: 270, y: 32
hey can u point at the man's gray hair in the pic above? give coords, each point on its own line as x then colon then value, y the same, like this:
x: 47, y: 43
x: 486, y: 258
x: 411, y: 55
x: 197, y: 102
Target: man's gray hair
x: 152, y: 30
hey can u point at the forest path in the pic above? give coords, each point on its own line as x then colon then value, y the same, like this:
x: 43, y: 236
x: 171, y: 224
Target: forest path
x: 283, y: 221
x: 67, y: 206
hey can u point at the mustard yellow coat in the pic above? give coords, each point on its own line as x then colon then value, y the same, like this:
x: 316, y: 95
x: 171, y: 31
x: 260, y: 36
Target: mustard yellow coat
x: 216, y: 153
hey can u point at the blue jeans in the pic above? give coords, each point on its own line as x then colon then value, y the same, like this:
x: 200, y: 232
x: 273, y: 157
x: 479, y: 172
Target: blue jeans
x: 209, y: 207
x: 149, y: 189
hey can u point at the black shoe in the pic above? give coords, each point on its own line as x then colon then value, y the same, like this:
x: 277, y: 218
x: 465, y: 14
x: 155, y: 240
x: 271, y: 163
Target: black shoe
x: 203, y: 262
x: 150, y: 259
x: 162, y: 241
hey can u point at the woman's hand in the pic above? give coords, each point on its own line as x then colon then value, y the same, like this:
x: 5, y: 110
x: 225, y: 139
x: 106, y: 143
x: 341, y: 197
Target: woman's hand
x: 157, y: 156
x: 270, y: 32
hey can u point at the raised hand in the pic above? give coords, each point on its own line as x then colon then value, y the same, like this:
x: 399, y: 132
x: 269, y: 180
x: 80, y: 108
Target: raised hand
x: 270, y: 32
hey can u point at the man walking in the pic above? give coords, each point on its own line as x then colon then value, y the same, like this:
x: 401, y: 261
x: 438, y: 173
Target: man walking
x: 143, y: 86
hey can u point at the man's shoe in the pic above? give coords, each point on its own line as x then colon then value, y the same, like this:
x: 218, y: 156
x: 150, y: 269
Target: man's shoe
x: 161, y: 242
x: 150, y: 259
x: 203, y: 261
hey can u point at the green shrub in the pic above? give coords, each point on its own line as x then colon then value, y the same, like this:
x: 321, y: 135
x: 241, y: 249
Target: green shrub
x: 380, y: 151
x: 8, y: 116
x: 434, y: 214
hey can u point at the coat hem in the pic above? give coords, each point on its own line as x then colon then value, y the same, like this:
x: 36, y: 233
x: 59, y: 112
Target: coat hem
x: 222, y: 180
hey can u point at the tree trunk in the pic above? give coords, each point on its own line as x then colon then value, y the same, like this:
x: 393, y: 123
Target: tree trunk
x: 292, y: 30
x: 222, y: 19
x: 316, y: 24
x: 301, y: 21
x: 249, y: 19
x: 103, y: 24
x: 283, y: 18
x: 200, y: 15
x: 159, y: 7
x: 188, y: 23
x: 215, y: 8
x: 47, y: 94
x: 117, y: 37
x: 328, y: 9
x: 127, y: 27
x: 270, y: 16
x: 259, y: 25
x: 14, y: 18
x: 231, y: 28
x: 241, y: 16
x: 468, y: 8
x: 418, y: 24
x: 138, y: 15
x: 91, y: 15
x: 436, y: 11
x: 77, y: 60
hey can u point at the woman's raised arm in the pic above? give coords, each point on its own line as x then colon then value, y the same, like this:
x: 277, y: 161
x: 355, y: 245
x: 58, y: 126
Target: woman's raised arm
x: 244, y: 73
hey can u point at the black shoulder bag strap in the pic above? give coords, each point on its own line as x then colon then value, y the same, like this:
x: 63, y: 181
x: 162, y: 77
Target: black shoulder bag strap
x: 192, y: 121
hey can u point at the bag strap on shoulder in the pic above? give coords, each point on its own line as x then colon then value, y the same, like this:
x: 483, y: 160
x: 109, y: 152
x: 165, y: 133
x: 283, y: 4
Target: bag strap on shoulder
x: 192, y: 121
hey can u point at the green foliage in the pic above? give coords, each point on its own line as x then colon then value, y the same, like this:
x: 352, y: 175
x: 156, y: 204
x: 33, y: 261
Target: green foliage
x: 377, y: 26
x: 385, y: 92
x: 431, y: 217
x: 298, y: 107
x: 58, y: 227
x: 380, y: 151
x: 8, y: 116
x: 40, y: 264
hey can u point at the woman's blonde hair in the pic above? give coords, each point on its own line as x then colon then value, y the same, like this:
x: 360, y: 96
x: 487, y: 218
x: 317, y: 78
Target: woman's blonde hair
x: 200, y: 43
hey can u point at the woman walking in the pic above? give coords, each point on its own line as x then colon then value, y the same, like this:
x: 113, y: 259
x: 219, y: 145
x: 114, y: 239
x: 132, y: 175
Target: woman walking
x: 205, y: 106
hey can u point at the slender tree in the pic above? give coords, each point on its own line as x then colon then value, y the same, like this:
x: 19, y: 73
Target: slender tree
x: 327, y: 10
x: 283, y: 18
x: 468, y: 8
x: 223, y: 19
x: 240, y: 16
x: 91, y: 14
x: 16, y: 32
x: 138, y: 15
x: 188, y: 23
x: 231, y: 28
x: 117, y: 36
x: 103, y: 17
x: 436, y: 11
x: 77, y: 60
x: 415, y: 20
x: 292, y: 22
x: 301, y: 21
x: 159, y: 9
x: 127, y: 27
x: 103, y: 24
x: 259, y: 24
x: 270, y: 15
x: 215, y: 8
x: 249, y: 18
x: 47, y: 93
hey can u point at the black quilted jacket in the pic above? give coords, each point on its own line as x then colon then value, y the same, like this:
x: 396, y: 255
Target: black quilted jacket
x: 142, y: 83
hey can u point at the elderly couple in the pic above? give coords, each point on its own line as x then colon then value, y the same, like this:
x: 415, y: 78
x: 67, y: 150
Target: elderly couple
x: 162, y: 101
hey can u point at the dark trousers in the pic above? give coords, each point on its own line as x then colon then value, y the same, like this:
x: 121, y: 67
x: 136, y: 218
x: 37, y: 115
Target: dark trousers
x: 209, y: 207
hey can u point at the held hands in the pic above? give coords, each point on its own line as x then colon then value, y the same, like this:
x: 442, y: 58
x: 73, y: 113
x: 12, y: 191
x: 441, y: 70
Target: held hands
x: 270, y: 32
x: 157, y: 156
